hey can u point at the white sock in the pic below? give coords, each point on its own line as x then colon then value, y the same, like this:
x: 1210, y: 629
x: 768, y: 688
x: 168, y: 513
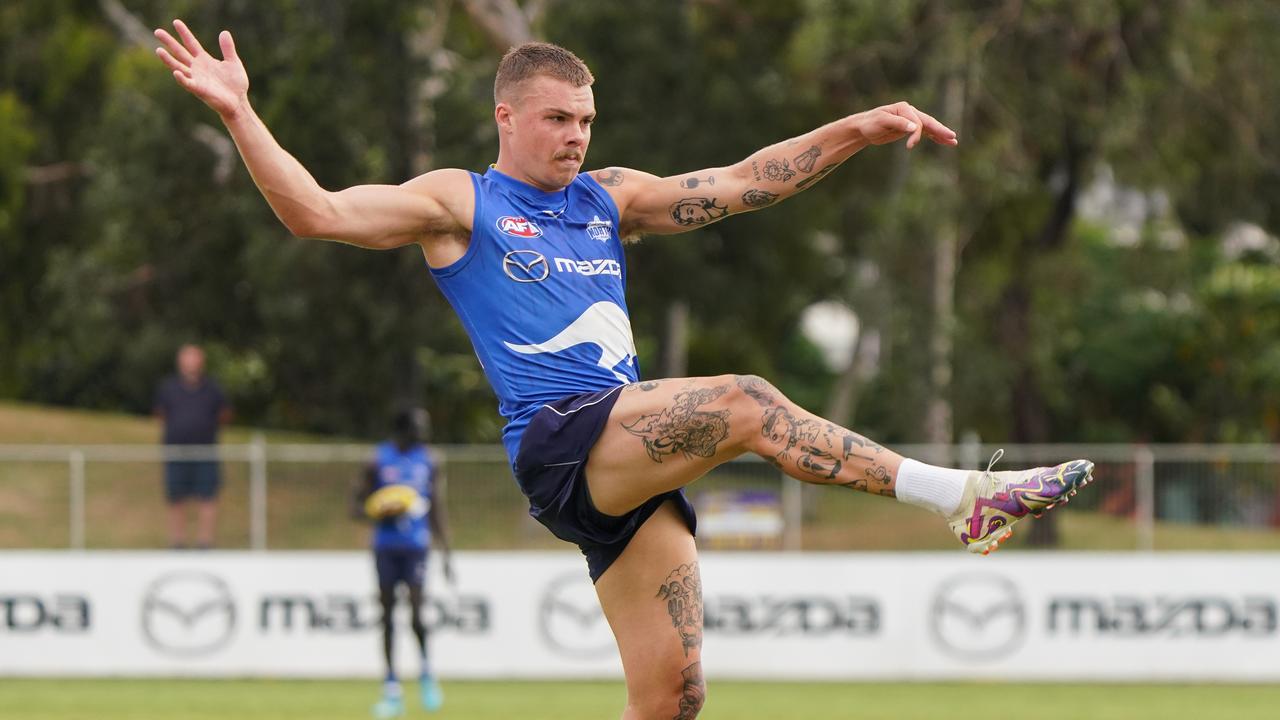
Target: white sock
x: 928, y: 486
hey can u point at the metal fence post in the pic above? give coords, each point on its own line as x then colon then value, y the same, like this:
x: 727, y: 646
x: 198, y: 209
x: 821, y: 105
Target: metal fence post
x: 792, y: 512
x: 1144, y: 462
x: 258, y: 492
x: 76, y: 500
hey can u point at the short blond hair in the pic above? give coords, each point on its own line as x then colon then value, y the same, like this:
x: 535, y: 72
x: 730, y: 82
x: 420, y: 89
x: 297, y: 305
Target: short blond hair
x: 533, y: 59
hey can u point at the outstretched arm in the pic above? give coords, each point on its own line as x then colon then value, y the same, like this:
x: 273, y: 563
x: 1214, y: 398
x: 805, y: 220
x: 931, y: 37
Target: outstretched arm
x: 650, y: 204
x: 372, y: 216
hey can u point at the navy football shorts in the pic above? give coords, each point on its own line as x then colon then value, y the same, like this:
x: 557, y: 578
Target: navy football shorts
x: 401, y: 565
x: 191, y: 479
x: 551, y: 470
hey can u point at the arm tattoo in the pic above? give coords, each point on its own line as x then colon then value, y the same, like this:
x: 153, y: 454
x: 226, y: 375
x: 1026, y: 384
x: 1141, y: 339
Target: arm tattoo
x: 778, y: 171
x: 612, y: 176
x: 683, y: 593
x: 697, y: 211
x: 758, y: 198
x: 695, y: 692
x: 682, y: 428
x: 805, y: 160
x: 693, y: 182
x: 816, y: 176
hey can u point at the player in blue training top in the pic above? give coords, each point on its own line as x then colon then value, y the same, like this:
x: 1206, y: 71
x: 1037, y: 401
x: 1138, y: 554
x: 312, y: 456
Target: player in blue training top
x: 405, y: 523
x: 530, y: 255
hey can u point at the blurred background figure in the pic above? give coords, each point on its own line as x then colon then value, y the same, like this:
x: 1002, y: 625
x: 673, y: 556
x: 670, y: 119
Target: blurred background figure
x: 401, y: 493
x: 192, y: 408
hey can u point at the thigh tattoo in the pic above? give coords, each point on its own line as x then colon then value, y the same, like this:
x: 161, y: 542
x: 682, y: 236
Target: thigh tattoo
x: 683, y: 593
x: 682, y: 427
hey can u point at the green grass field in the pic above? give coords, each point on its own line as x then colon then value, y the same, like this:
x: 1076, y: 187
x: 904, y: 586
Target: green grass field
x: 346, y: 699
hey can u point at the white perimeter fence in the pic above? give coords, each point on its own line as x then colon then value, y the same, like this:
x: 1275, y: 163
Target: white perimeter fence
x: 295, y: 497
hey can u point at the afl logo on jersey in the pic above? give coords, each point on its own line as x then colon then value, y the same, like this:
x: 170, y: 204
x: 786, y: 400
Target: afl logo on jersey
x: 518, y: 227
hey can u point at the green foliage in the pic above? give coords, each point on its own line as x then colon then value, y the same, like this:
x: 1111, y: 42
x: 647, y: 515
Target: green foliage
x: 1064, y: 330
x: 18, y: 140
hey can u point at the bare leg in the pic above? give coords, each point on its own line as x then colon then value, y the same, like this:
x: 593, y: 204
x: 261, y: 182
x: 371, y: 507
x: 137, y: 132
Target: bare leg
x: 665, y: 434
x: 652, y: 598
x: 206, y: 520
x: 387, y: 599
x: 177, y: 516
x: 415, y: 619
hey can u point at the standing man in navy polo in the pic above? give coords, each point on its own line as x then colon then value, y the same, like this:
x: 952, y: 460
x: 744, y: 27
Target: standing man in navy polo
x: 192, y: 408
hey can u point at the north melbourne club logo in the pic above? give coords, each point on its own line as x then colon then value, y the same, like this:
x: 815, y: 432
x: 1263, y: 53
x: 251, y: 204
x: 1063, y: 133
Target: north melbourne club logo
x: 600, y: 229
x: 518, y: 227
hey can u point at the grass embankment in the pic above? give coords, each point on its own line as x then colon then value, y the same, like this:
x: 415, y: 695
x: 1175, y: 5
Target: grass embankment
x: 308, y: 501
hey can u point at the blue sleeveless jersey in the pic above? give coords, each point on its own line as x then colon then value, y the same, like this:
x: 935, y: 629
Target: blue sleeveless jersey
x: 540, y: 293
x: 415, y: 469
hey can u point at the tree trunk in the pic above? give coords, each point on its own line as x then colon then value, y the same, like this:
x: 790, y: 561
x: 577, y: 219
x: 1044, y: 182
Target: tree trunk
x: 675, y: 347
x: 505, y: 22
x: 938, y: 420
x: 844, y: 394
x: 1030, y: 412
x: 425, y: 45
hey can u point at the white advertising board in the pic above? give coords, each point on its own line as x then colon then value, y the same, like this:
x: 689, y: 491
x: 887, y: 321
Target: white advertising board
x: 1042, y: 617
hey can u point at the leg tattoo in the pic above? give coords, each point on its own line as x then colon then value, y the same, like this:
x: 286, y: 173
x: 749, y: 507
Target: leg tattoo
x: 695, y: 692
x: 816, y: 447
x: 683, y: 593
x: 682, y: 428
x: 759, y: 389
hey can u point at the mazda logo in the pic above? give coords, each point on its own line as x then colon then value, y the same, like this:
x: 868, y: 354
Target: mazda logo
x: 188, y: 614
x: 975, y: 615
x: 571, y: 621
x: 525, y: 266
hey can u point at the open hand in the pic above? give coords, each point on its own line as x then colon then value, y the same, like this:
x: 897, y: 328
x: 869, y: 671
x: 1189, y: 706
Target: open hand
x: 222, y: 84
x: 891, y: 123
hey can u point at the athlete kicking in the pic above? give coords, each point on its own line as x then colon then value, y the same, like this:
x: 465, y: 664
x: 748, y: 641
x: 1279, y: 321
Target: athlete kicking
x: 530, y: 255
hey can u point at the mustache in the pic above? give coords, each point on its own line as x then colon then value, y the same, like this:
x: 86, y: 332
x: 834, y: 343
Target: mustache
x: 568, y: 155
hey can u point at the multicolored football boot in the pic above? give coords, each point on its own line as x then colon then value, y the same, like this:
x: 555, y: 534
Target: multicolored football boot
x: 994, y: 501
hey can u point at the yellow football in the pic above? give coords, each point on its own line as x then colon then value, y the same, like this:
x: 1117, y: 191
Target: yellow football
x: 391, y: 501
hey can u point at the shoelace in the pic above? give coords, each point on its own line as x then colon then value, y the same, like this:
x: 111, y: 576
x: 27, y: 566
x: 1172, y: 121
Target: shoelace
x: 995, y: 457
